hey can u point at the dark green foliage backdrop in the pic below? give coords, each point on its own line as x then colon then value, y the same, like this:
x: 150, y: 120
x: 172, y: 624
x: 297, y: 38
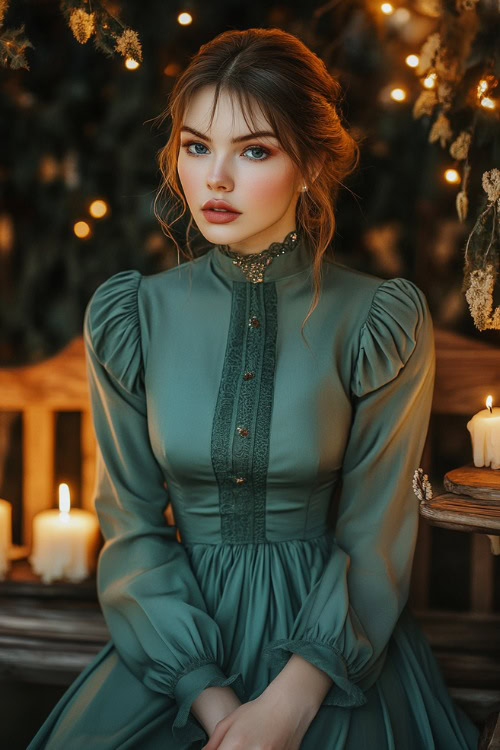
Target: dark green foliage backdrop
x: 77, y: 126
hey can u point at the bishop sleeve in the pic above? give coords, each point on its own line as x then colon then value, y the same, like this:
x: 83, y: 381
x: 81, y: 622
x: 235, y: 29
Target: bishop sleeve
x: 149, y: 596
x: 347, y: 619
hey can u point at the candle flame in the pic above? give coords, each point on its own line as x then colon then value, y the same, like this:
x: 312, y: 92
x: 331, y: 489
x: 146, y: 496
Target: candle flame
x: 489, y: 402
x: 64, y: 501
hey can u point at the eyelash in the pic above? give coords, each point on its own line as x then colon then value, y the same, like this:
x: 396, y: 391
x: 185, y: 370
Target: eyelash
x: 261, y: 148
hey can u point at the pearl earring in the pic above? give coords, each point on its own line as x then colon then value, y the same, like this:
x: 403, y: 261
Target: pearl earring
x: 304, y: 187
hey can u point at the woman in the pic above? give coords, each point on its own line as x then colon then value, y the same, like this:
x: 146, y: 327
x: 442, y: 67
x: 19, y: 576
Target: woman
x: 263, y: 627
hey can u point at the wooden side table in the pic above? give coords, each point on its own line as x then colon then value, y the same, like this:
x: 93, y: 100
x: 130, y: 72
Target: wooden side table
x: 471, y: 504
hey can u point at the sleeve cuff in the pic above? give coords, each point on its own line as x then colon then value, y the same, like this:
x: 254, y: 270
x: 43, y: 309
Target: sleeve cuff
x: 185, y: 727
x: 344, y: 692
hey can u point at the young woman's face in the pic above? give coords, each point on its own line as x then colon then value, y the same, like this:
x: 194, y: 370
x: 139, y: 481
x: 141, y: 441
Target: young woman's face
x: 255, y: 176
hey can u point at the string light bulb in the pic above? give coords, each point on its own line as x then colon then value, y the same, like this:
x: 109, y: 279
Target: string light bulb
x: 487, y: 103
x: 184, y: 19
x: 98, y: 209
x: 430, y: 81
x: 412, y: 61
x: 451, y: 176
x: 387, y: 8
x: 131, y: 64
x: 81, y: 229
x: 485, y: 86
x: 398, y: 94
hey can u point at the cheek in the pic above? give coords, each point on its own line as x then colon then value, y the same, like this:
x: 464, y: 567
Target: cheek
x: 265, y: 185
x: 188, y: 175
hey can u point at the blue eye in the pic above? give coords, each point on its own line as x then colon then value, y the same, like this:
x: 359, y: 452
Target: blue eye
x: 258, y: 148
x: 265, y: 151
x: 193, y: 143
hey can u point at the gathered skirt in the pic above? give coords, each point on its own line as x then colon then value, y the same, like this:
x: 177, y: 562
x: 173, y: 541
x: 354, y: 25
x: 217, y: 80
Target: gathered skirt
x: 408, y: 707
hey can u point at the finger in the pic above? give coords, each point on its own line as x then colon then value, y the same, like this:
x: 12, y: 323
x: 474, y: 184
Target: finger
x: 214, y: 741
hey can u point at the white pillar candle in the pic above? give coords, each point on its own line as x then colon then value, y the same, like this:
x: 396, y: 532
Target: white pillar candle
x: 484, y: 428
x: 64, y: 542
x: 5, y: 537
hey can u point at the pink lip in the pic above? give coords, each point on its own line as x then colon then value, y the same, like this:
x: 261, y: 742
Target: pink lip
x: 219, y: 217
x: 219, y: 203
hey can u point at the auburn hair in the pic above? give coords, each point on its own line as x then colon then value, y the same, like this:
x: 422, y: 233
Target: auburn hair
x: 293, y: 88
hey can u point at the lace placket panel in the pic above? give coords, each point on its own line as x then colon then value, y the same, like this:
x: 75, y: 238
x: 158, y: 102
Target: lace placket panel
x: 242, y: 420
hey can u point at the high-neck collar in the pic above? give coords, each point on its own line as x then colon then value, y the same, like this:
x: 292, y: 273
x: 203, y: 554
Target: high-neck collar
x: 280, y: 259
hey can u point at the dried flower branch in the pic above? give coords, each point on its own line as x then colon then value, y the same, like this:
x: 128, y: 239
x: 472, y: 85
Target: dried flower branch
x: 82, y: 25
x: 480, y: 272
x: 421, y: 485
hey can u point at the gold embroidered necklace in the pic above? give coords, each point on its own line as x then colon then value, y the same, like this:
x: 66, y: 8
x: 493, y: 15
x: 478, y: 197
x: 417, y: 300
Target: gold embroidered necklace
x: 255, y: 264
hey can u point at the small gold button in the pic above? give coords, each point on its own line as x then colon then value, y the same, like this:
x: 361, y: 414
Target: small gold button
x: 248, y: 375
x: 254, y: 322
x: 240, y: 480
x: 243, y: 431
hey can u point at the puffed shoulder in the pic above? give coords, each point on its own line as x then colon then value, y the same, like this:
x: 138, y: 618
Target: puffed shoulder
x: 389, y: 334
x: 112, y: 327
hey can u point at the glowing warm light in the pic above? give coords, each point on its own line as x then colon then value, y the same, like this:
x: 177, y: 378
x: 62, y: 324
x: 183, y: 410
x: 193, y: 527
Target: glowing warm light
x: 172, y: 69
x: 487, y: 103
x: 412, y: 61
x: 451, y: 175
x: 131, y: 64
x: 484, y: 428
x: 482, y: 86
x: 387, y: 8
x: 430, y: 81
x: 98, y: 209
x: 398, y: 94
x: 401, y: 16
x: 64, y: 501
x: 64, y: 541
x: 184, y: 19
x: 81, y: 229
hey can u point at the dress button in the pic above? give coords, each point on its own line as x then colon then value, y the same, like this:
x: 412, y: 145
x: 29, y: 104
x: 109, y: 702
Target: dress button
x: 254, y: 322
x: 247, y: 375
x: 240, y: 480
x: 243, y: 431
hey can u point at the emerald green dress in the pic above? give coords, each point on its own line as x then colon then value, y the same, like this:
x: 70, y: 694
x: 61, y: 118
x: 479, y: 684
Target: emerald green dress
x: 205, y: 394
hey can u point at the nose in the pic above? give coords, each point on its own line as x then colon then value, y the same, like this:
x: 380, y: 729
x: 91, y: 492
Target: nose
x: 219, y: 182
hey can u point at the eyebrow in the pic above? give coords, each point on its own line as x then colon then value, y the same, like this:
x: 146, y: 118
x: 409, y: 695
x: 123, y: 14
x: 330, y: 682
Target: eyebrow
x: 239, y: 139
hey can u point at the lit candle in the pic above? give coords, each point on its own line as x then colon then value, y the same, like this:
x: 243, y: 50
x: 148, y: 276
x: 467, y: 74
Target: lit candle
x: 5, y: 537
x: 64, y: 541
x: 484, y: 428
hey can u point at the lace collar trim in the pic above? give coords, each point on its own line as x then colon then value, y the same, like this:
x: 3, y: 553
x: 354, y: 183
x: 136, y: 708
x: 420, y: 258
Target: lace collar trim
x: 254, y: 265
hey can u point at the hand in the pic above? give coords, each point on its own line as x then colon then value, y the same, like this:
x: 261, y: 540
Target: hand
x: 260, y: 723
x: 212, y: 705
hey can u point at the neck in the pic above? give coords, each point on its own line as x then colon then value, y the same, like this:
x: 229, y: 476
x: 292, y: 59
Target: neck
x: 278, y: 260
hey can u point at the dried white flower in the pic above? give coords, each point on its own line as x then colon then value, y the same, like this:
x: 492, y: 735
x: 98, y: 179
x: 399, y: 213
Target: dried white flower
x: 428, y: 52
x: 421, y: 485
x: 460, y: 146
x: 425, y: 103
x: 491, y: 184
x: 441, y: 130
x: 479, y: 295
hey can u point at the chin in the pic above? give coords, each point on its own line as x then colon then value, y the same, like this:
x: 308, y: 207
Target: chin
x: 224, y: 234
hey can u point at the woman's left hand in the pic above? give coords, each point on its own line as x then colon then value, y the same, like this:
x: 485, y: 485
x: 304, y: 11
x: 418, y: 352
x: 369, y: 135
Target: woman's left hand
x: 258, y: 724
